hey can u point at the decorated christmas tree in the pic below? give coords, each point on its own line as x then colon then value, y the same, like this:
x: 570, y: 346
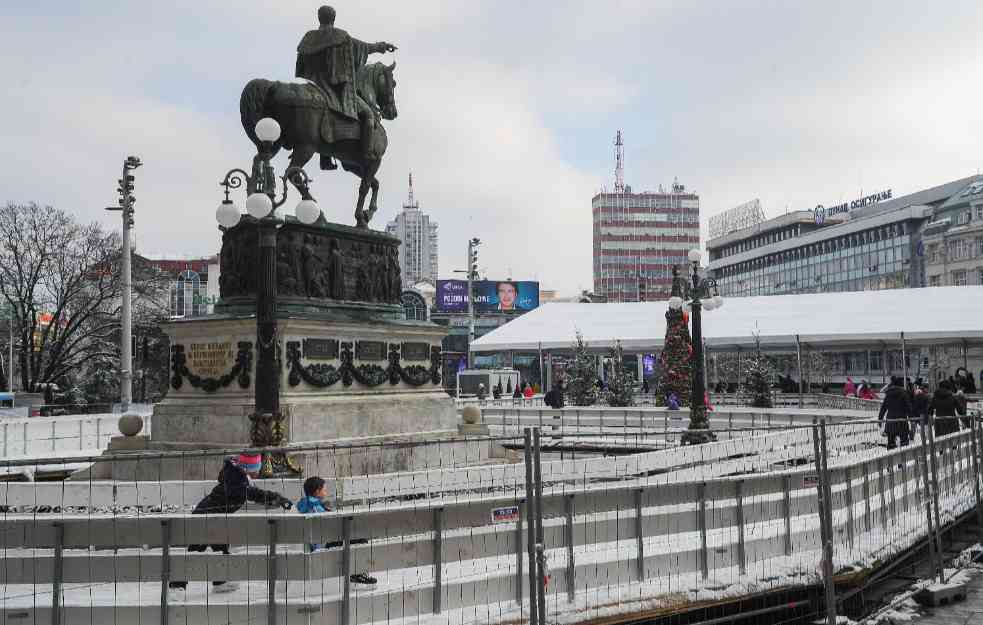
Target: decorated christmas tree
x: 621, y: 384
x: 581, y: 375
x: 759, y: 371
x: 675, y: 361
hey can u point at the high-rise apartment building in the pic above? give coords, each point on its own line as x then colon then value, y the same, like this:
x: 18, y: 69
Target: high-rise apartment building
x: 639, y: 237
x: 418, y: 253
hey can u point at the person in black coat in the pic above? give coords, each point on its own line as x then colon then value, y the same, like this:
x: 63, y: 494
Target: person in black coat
x: 897, y: 408
x: 234, y: 488
x: 920, y: 403
x: 554, y: 398
x: 946, y: 409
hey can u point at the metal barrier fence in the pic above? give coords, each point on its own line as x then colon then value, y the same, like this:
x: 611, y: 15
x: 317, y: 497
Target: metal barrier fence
x: 779, y: 400
x: 464, y: 541
x: 35, y: 437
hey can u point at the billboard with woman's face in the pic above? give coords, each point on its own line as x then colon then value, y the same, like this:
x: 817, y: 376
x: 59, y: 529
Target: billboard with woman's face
x: 489, y: 296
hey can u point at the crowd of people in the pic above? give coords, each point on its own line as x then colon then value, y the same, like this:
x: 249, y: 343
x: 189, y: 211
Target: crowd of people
x: 906, y: 405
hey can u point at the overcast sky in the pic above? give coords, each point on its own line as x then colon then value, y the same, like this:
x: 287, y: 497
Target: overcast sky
x: 507, y: 110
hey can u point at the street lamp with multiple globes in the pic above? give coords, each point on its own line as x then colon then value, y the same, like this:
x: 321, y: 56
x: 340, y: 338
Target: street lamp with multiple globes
x: 267, y: 428
x: 701, y: 293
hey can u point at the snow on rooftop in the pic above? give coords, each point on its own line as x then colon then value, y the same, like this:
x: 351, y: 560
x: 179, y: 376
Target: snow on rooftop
x: 939, y: 314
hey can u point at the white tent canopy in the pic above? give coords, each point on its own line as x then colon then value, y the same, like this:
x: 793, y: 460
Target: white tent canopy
x: 823, y: 320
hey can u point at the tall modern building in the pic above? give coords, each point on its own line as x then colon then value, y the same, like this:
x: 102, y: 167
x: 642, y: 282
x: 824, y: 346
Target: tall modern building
x: 639, y: 237
x: 418, y: 253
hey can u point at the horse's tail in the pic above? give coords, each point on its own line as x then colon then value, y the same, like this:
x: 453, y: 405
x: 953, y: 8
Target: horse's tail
x: 252, y: 106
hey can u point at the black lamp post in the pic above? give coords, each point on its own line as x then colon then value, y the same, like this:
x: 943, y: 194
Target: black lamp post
x: 702, y: 294
x: 267, y: 428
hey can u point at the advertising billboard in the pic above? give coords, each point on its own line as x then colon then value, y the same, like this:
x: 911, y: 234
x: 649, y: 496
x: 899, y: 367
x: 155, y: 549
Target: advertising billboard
x: 489, y: 296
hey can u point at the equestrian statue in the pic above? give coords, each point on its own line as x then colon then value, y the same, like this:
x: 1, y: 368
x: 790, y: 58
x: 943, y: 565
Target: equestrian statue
x: 337, y: 114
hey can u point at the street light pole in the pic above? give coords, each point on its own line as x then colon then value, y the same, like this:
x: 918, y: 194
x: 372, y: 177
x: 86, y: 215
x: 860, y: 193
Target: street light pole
x: 702, y: 295
x: 268, y: 429
x: 472, y: 277
x: 126, y: 201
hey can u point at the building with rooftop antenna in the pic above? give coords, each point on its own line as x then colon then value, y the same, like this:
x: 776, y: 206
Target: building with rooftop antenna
x: 638, y: 237
x: 418, y: 253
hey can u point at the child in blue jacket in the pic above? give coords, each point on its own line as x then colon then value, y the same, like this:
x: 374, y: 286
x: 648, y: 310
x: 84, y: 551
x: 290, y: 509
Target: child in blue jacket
x: 315, y: 493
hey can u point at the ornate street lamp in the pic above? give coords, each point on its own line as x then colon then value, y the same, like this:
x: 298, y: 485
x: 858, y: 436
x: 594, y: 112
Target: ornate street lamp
x: 267, y: 429
x: 701, y: 293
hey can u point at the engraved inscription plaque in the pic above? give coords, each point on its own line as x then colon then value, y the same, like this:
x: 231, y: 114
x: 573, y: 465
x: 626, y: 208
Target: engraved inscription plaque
x: 210, y: 360
x: 370, y: 350
x: 321, y: 349
x: 415, y: 351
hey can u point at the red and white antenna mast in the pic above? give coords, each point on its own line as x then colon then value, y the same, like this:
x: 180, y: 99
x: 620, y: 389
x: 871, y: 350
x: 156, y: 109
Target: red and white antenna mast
x: 410, y: 202
x: 619, y: 164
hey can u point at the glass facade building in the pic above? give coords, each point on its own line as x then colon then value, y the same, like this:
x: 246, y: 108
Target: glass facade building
x: 876, y: 246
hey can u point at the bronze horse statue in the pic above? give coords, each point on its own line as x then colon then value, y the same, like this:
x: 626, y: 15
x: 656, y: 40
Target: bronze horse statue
x: 308, y: 127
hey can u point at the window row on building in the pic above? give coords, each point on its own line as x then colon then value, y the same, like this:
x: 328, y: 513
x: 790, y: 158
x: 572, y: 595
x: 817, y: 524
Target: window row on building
x: 872, y: 259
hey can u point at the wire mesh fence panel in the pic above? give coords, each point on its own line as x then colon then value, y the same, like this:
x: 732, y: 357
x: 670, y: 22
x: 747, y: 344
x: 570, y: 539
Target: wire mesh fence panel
x: 631, y: 521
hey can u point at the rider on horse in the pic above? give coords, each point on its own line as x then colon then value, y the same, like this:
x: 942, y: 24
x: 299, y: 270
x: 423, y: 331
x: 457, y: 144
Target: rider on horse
x: 330, y: 58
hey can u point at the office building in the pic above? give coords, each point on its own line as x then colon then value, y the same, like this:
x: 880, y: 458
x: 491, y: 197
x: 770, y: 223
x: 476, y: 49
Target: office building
x: 418, y: 253
x: 953, y: 240
x: 871, y: 243
x: 639, y: 237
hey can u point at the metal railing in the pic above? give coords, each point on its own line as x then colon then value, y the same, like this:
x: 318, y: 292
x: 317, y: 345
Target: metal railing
x: 772, y: 509
x: 35, y: 437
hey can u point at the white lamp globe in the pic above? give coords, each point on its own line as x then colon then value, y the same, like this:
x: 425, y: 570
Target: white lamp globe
x: 267, y: 129
x: 718, y: 301
x: 227, y: 214
x: 708, y: 304
x: 694, y: 255
x: 307, y: 211
x: 675, y: 302
x: 259, y: 205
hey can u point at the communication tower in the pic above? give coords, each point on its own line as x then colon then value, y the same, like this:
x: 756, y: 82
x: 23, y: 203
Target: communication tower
x: 619, y: 164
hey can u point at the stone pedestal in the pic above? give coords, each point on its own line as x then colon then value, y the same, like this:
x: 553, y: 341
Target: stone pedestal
x: 340, y: 378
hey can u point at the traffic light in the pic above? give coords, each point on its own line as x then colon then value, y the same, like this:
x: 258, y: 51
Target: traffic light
x: 473, y: 258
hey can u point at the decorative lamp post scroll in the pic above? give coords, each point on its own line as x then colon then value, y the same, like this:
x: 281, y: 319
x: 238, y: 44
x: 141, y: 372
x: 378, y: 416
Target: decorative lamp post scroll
x: 268, y: 428
x: 698, y: 293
